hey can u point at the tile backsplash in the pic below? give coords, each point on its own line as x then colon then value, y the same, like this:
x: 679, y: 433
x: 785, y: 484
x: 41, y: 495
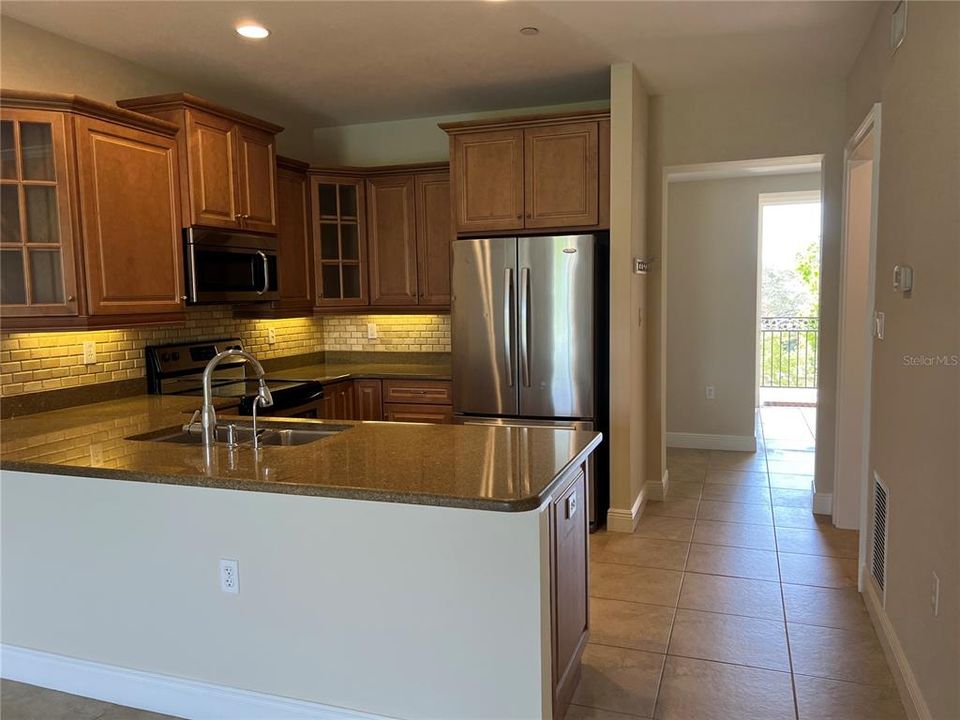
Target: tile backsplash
x: 37, y: 361
x: 395, y: 333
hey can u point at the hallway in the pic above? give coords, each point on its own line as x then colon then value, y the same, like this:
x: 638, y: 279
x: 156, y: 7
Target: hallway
x: 732, y: 600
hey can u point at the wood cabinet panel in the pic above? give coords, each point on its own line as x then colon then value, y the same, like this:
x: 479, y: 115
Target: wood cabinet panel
x: 38, y: 238
x: 256, y: 159
x: 213, y: 177
x: 487, y: 172
x: 295, y: 264
x: 392, y: 240
x: 569, y: 530
x: 561, y: 175
x: 434, y: 234
x: 437, y: 414
x: 130, y: 219
x: 339, y: 240
x: 338, y: 401
x: 435, y: 392
x: 369, y: 399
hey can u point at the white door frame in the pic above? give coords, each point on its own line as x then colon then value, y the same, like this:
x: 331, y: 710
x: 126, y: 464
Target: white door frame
x: 869, y: 126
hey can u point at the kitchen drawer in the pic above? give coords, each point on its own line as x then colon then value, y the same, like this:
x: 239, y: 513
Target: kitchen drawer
x: 399, y: 412
x: 426, y: 392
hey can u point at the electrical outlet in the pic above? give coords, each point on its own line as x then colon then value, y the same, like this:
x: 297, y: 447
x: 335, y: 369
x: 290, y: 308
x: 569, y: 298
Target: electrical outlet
x: 230, y: 576
x: 711, y: 392
x: 271, y: 336
x: 372, y: 331
x: 89, y: 352
x: 935, y: 595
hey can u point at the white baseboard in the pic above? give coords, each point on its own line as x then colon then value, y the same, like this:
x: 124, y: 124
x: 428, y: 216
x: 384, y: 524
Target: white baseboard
x: 822, y: 503
x: 906, y: 681
x: 657, y: 489
x: 625, y: 521
x: 158, y: 693
x: 746, y: 443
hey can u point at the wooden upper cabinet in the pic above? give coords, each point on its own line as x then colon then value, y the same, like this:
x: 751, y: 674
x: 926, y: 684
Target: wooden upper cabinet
x: 37, y: 232
x: 295, y: 251
x: 91, y: 232
x: 487, y: 171
x: 392, y: 240
x: 434, y: 234
x: 339, y: 240
x: 532, y: 173
x: 256, y: 154
x: 212, y: 170
x: 560, y: 175
x: 130, y: 218
x: 229, y: 173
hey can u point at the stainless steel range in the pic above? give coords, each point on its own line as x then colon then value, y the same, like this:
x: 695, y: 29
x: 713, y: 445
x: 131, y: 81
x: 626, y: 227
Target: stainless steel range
x: 177, y: 369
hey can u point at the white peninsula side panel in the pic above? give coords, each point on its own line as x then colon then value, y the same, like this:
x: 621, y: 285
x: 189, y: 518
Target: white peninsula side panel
x: 388, y: 609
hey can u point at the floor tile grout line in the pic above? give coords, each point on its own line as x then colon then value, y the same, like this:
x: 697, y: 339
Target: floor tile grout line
x: 783, y: 602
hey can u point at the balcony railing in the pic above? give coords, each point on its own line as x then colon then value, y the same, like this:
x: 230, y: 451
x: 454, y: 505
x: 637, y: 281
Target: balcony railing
x: 788, y: 352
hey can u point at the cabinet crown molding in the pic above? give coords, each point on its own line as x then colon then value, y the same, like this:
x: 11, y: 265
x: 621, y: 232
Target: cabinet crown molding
x: 172, y: 101
x: 353, y: 171
x: 519, y: 121
x: 77, y: 105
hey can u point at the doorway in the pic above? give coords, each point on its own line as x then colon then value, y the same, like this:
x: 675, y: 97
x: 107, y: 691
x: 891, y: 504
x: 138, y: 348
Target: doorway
x: 788, y: 324
x: 856, y: 327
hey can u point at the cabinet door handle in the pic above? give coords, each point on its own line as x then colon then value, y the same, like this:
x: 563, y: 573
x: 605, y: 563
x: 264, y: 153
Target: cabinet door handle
x: 70, y: 298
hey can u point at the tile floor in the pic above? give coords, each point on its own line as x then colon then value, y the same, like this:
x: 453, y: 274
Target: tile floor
x: 27, y: 702
x: 732, y: 600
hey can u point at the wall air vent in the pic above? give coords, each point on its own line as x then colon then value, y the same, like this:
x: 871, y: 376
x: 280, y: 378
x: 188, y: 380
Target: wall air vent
x: 881, y: 521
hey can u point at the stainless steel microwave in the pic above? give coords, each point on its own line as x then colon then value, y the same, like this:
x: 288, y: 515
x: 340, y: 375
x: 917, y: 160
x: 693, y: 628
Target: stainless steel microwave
x: 223, y: 266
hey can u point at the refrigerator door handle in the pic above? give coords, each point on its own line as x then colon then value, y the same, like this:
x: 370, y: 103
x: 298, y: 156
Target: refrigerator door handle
x: 525, y: 326
x: 509, y: 299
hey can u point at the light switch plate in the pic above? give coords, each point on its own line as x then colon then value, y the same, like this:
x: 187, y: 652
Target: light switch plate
x: 271, y: 336
x: 879, y: 321
x: 372, y: 331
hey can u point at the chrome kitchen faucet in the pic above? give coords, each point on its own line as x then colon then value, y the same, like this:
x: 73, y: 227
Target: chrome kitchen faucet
x: 208, y: 414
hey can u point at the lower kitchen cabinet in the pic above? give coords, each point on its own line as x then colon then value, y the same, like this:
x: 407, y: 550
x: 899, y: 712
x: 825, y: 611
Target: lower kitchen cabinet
x: 399, y: 412
x: 569, y: 529
x: 369, y: 399
x: 338, y: 401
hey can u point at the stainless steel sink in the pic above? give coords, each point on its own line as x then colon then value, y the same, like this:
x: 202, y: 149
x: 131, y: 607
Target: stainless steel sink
x: 273, y: 434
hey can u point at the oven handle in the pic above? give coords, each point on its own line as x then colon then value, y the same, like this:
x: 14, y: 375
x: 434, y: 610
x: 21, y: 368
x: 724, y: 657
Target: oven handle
x: 266, y: 272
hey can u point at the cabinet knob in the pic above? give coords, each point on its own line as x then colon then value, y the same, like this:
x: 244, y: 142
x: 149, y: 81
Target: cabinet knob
x: 70, y: 298
x: 183, y: 297
x: 519, y: 216
x: 529, y: 215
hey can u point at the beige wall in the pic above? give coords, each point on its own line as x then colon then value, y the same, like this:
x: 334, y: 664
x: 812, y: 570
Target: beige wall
x: 915, y: 419
x: 746, y: 124
x: 628, y: 133
x: 712, y: 292
x: 34, y: 59
x: 408, y: 141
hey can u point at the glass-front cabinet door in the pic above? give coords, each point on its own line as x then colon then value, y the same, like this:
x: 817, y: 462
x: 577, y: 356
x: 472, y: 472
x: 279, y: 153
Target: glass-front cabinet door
x: 339, y: 231
x: 37, y: 270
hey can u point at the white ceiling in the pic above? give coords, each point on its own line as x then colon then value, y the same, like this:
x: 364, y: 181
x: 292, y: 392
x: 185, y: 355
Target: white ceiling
x: 347, y: 62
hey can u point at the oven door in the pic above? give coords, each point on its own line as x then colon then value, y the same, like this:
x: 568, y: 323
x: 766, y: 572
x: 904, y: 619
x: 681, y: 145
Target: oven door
x: 225, y: 267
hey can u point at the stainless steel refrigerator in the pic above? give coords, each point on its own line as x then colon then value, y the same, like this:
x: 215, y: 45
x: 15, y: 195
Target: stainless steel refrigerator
x: 524, y: 331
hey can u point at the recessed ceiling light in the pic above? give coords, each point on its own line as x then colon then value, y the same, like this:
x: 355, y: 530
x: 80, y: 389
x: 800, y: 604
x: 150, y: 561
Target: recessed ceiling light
x: 252, y: 31
x: 529, y: 30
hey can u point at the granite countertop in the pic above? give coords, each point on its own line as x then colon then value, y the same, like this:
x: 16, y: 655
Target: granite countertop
x: 484, y: 468
x: 334, y: 371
